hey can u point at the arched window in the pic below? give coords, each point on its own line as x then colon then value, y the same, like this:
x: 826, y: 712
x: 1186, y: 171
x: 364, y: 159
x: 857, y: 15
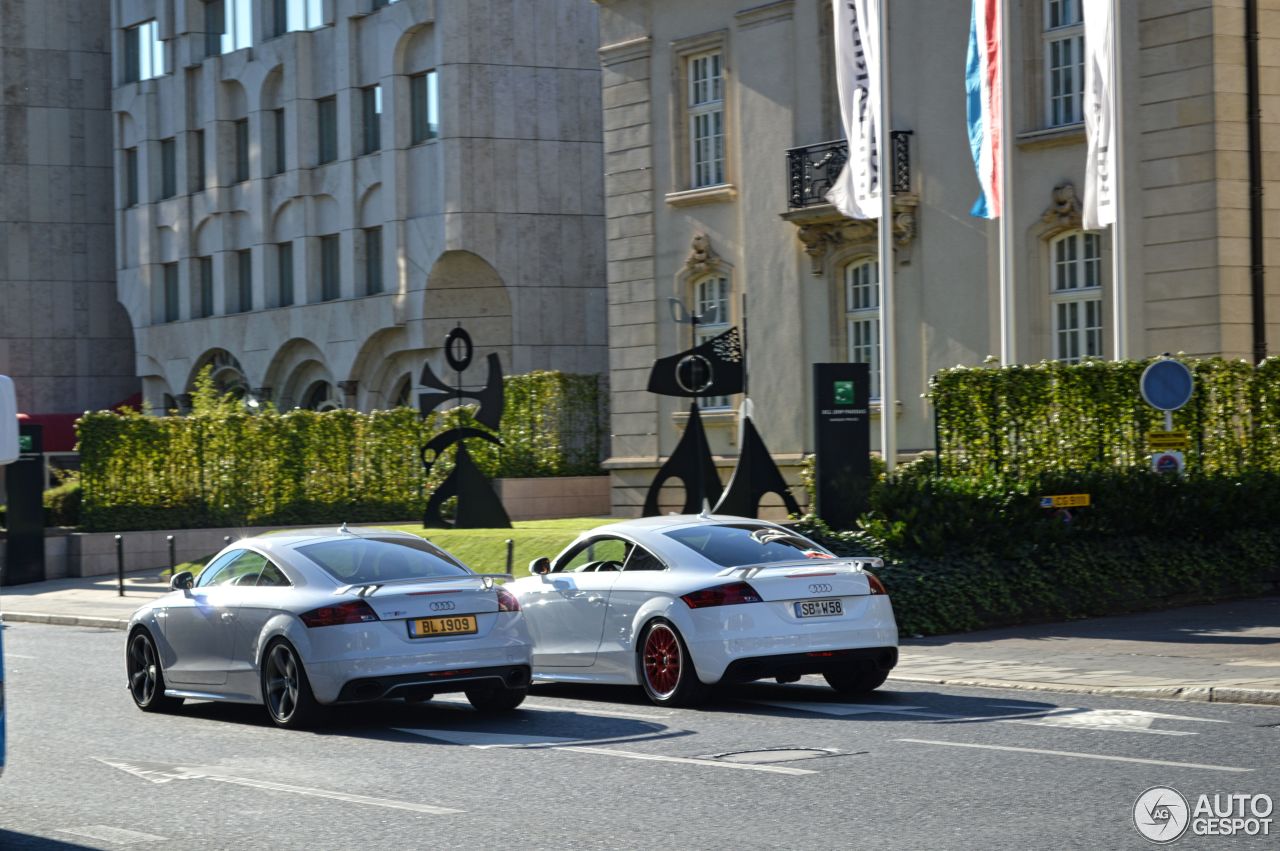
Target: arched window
x: 712, y: 294
x: 862, y: 316
x: 1076, y: 296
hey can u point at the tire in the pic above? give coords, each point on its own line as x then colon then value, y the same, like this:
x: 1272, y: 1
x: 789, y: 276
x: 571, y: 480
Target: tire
x: 286, y: 691
x: 145, y: 677
x: 856, y: 681
x: 495, y: 698
x: 666, y: 671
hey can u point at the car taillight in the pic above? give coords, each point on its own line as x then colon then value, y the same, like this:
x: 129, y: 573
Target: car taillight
x: 877, y: 587
x: 722, y: 595
x: 353, y: 611
x: 507, y: 601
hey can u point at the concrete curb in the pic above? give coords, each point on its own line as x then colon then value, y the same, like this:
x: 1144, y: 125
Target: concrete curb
x: 1200, y: 694
x: 65, y: 620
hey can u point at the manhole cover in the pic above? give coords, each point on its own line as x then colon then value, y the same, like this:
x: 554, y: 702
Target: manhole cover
x: 767, y: 755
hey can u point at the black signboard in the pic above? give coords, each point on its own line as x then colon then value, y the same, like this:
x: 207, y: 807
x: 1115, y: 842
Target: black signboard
x: 24, y: 513
x: 842, y: 438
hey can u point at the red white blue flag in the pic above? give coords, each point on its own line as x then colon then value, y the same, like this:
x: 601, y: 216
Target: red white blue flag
x: 982, y: 85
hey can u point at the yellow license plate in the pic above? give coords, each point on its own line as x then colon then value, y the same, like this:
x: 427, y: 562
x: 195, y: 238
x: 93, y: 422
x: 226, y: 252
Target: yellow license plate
x: 430, y: 627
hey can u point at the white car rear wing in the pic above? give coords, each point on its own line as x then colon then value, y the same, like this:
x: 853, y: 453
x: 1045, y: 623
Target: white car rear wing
x: 850, y: 564
x: 364, y: 589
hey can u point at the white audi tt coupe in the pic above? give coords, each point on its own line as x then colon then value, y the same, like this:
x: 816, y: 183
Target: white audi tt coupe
x: 677, y: 604
x: 295, y: 621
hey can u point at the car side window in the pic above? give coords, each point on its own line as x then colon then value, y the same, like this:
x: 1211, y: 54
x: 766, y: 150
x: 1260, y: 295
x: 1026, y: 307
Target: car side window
x: 209, y: 576
x: 642, y: 559
x: 597, y: 554
x: 241, y: 572
x: 272, y: 577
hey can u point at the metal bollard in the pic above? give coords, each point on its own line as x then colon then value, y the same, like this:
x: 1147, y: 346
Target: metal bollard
x: 511, y: 552
x: 173, y: 562
x: 120, y: 565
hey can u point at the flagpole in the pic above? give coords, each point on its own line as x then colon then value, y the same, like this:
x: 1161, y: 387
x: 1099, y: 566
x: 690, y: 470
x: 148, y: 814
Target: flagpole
x: 888, y: 397
x: 1119, y: 247
x: 1008, y: 346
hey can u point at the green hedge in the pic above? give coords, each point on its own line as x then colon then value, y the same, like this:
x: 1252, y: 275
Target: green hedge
x: 1017, y: 423
x: 223, y: 467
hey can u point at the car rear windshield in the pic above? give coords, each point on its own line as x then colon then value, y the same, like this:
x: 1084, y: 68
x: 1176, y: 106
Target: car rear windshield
x: 361, y: 561
x: 743, y: 545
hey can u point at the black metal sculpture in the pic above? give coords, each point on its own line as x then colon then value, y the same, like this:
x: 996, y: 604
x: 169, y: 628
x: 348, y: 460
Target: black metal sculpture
x: 478, y: 507
x: 755, y: 475
x: 712, y: 368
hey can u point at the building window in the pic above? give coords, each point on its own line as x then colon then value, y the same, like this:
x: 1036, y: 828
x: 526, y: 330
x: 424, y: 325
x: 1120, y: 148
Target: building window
x: 1076, y: 296
x: 294, y: 15
x: 424, y: 107
x: 712, y: 294
x: 1064, y: 62
x: 706, y: 119
x: 242, y: 150
x: 371, y: 117
x: 280, y: 161
x: 378, y: 4
x: 329, y: 289
x: 327, y: 127
x: 214, y: 20
x: 170, y: 292
x: 284, y: 273
x: 235, y: 21
x: 131, y: 177
x: 143, y: 52
x: 373, y: 260
x: 197, y: 162
x: 862, y: 317
x: 168, y: 168
x: 244, y: 279
x: 205, y: 265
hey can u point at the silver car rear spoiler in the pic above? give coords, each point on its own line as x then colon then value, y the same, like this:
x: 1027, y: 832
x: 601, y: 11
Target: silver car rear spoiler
x: 860, y: 562
x: 364, y: 589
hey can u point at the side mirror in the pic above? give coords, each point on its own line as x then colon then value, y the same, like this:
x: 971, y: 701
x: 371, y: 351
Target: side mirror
x: 540, y: 566
x: 182, y: 581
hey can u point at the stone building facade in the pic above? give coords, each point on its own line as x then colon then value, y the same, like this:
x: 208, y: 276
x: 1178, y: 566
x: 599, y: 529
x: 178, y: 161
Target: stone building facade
x: 716, y: 116
x: 310, y: 194
x: 64, y: 338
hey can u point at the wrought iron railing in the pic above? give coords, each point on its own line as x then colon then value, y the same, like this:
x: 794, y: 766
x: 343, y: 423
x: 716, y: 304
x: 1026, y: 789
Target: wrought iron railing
x: 813, y: 169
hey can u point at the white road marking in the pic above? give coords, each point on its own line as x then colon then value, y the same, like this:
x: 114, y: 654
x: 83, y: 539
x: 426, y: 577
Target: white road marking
x: 580, y: 709
x: 485, y: 741
x: 114, y: 835
x: 844, y: 709
x: 684, y: 760
x: 18, y: 656
x: 1097, y: 720
x: 1103, y: 757
x: 157, y: 772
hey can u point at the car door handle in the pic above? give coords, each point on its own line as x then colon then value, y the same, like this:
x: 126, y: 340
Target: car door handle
x: 226, y: 616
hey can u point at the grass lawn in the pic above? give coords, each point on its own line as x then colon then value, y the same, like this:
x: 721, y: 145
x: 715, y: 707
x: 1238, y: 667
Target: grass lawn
x: 485, y: 550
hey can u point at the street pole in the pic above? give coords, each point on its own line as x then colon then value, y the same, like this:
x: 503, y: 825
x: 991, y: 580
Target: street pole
x: 1119, y: 247
x: 888, y: 408
x: 1008, y: 345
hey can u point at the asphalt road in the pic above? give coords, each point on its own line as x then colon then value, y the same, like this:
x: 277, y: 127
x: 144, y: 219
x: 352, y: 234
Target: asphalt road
x: 913, y: 767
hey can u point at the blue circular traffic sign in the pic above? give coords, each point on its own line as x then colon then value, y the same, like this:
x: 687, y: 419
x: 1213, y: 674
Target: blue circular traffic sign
x: 1167, y: 384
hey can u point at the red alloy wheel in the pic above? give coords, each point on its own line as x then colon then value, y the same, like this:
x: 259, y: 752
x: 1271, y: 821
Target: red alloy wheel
x: 662, y: 660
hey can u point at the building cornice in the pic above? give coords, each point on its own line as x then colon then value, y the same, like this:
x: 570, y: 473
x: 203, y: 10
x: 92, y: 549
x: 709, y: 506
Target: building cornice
x: 625, y: 51
x: 769, y: 13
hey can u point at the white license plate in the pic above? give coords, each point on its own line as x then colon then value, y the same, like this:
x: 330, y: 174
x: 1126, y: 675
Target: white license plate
x: 819, y: 609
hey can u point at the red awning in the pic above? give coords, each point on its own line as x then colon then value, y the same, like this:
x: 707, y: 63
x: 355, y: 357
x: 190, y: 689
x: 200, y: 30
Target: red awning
x: 59, y: 430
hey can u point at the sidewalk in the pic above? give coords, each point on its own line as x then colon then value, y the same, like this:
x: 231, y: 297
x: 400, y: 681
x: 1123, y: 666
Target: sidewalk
x: 1226, y: 653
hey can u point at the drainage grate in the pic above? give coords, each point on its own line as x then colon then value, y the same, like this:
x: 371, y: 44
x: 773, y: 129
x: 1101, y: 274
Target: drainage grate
x: 767, y: 755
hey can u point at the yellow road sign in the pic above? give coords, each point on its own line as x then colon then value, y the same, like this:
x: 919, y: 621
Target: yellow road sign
x: 1066, y: 500
x: 1168, y: 439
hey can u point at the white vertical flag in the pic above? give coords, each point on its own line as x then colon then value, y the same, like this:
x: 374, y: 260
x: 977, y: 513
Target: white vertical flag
x: 856, y: 193
x: 1099, y: 116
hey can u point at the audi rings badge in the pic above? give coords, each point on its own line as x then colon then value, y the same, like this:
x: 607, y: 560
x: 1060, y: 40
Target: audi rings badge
x: 820, y: 588
x: 443, y: 606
